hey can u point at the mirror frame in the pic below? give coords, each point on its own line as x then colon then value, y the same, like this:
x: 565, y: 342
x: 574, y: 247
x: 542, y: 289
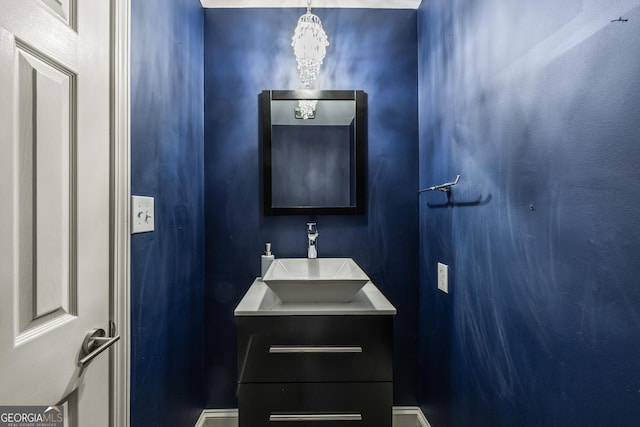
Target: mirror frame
x: 360, y: 143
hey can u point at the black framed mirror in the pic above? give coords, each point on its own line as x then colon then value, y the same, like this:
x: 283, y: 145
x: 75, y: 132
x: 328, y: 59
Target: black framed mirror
x: 314, y: 152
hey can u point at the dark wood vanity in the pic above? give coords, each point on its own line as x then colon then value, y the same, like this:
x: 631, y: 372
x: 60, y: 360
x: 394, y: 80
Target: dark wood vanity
x: 315, y: 370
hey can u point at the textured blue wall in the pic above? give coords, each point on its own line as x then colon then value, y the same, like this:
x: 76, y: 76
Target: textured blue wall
x: 247, y: 51
x: 536, y: 104
x: 167, y: 266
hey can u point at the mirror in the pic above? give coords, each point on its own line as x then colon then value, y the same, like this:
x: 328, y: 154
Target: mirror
x: 314, y: 152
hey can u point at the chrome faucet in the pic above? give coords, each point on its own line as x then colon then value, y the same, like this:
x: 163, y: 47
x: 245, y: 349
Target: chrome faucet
x: 312, y: 235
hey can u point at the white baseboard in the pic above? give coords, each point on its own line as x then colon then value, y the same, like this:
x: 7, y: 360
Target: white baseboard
x: 409, y: 416
x: 403, y: 416
x: 218, y: 418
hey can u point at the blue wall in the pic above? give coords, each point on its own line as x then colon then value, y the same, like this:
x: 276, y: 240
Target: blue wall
x: 167, y: 266
x: 536, y: 105
x: 247, y: 51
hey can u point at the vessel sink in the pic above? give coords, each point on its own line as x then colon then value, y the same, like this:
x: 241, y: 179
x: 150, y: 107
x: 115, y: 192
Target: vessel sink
x: 315, y: 279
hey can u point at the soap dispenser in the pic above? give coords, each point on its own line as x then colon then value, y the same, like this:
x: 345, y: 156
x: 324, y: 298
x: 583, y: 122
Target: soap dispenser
x: 267, y: 258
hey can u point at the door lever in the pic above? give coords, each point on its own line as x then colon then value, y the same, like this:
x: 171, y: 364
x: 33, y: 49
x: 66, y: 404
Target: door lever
x: 95, y: 343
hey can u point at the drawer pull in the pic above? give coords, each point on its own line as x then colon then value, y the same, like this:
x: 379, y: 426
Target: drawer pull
x: 315, y: 417
x: 314, y: 349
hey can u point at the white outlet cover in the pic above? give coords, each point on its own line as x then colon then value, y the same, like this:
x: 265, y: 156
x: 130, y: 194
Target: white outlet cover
x: 142, y: 214
x: 443, y: 277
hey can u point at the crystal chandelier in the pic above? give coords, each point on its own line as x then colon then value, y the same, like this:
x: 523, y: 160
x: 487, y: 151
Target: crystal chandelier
x: 309, y: 45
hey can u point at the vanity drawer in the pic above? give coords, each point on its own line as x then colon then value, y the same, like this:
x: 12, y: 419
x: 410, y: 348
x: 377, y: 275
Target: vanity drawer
x: 315, y: 405
x: 314, y: 348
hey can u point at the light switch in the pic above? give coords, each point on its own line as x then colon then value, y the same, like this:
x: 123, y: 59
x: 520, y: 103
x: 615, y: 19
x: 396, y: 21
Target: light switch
x: 142, y: 214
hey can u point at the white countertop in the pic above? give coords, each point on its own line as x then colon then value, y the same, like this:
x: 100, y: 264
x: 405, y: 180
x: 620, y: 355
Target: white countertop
x: 261, y: 301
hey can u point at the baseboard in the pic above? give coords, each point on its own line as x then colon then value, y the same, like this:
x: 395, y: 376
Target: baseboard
x: 218, y: 418
x: 409, y: 416
x: 403, y: 416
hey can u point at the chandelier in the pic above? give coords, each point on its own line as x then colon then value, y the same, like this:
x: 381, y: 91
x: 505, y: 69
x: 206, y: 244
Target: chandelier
x: 309, y: 44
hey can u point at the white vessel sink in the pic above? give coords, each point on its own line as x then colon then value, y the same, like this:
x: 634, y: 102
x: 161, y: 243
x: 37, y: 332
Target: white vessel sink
x: 315, y: 280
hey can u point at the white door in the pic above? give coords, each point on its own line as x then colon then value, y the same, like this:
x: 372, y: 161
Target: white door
x: 54, y: 204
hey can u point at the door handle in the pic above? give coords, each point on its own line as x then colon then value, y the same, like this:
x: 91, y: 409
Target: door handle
x: 314, y: 417
x: 314, y: 349
x: 95, y: 342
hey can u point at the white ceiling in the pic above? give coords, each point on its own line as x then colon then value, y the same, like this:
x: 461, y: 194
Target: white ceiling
x: 315, y: 4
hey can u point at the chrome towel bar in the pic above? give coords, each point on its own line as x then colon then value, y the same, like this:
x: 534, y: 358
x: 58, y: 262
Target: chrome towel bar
x: 446, y: 187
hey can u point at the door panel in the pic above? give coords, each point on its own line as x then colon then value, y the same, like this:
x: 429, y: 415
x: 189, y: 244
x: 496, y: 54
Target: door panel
x: 44, y: 106
x: 54, y: 216
x: 64, y: 9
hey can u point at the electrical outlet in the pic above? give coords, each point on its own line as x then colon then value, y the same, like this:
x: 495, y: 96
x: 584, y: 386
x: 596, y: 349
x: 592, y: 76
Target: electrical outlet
x: 443, y: 277
x: 142, y: 214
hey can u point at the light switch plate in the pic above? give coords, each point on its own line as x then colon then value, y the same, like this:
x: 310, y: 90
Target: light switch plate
x: 142, y: 214
x: 443, y: 277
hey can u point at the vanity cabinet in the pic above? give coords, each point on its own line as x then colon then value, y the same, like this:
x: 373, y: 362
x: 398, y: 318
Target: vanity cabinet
x: 315, y: 370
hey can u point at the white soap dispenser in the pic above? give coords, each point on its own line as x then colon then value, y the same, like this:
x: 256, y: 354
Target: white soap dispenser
x: 267, y: 258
